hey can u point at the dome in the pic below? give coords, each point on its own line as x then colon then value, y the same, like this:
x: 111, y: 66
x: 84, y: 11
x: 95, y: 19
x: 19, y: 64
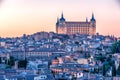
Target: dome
x: 62, y: 19
x: 93, y: 19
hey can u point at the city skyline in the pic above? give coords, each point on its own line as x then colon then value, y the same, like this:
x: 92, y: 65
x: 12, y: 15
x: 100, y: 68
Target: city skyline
x: 19, y: 17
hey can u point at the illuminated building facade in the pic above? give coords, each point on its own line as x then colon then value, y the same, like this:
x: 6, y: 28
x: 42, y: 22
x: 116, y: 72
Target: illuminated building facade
x: 73, y: 27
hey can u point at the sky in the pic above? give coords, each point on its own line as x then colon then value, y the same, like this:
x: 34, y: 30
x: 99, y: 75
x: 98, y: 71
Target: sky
x: 18, y: 17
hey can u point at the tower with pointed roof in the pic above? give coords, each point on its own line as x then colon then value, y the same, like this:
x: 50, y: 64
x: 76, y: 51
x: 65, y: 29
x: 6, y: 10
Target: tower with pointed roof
x: 60, y: 25
x: 62, y: 19
x: 92, y: 19
x: 74, y: 27
x: 93, y: 24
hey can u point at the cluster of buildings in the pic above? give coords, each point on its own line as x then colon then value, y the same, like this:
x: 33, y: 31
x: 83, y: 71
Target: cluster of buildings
x: 73, y: 53
x: 54, y: 56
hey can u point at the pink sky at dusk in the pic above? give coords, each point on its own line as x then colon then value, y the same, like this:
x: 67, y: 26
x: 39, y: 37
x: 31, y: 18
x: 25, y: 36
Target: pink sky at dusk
x: 29, y: 16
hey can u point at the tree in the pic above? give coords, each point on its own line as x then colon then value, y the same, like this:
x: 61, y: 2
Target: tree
x: 111, y: 62
x: 74, y: 78
x: 96, y: 70
x: 98, y: 48
x: 106, y: 67
x: 104, y: 70
x: 10, y: 61
x: 113, y: 70
x: 0, y: 60
x: 101, y: 58
x: 116, y: 47
x: 118, y: 70
x: 77, y: 43
x: 22, y: 63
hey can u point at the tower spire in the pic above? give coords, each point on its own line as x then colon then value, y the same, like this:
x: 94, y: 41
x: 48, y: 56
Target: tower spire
x: 86, y: 19
x: 93, y: 18
x: 62, y: 17
x: 57, y: 21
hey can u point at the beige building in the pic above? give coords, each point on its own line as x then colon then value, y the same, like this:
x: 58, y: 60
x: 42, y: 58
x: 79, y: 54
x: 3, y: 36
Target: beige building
x: 30, y: 55
x: 41, y: 35
x: 73, y: 27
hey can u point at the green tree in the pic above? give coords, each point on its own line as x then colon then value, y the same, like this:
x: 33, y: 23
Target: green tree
x: 115, y: 47
x: 106, y: 67
x: 22, y: 63
x: 118, y: 70
x: 96, y: 70
x: 98, y: 48
x: 77, y: 43
x: 101, y: 58
x: 104, y: 70
x: 10, y: 61
x: 113, y: 70
x: 111, y: 62
x: 0, y: 60
x: 74, y: 78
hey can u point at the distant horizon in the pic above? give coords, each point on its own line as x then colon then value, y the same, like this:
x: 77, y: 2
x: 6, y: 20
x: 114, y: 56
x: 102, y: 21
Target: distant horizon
x: 49, y: 32
x: 18, y: 17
